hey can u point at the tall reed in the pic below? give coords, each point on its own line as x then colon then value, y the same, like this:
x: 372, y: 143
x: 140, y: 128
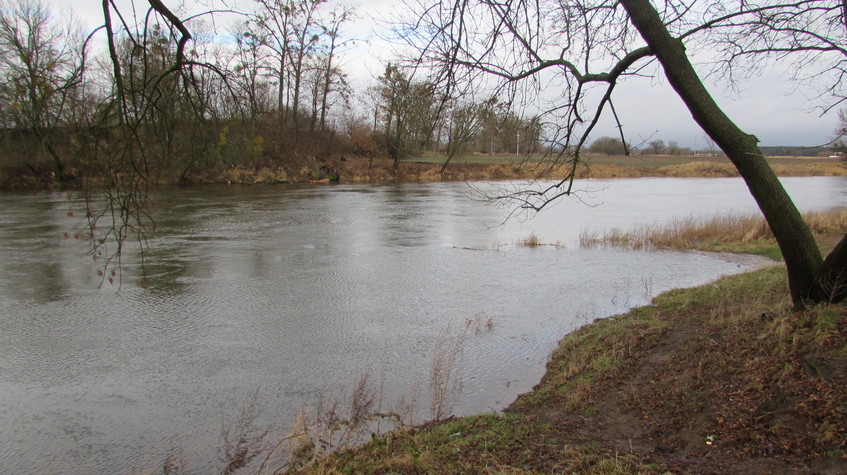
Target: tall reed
x: 695, y: 232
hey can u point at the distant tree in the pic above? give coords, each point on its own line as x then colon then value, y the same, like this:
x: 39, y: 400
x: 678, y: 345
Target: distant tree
x: 42, y: 63
x: 674, y: 148
x: 410, y: 110
x: 249, y: 64
x: 656, y: 147
x: 463, y: 124
x: 711, y: 147
x: 839, y: 141
x: 332, y: 79
x: 608, y: 146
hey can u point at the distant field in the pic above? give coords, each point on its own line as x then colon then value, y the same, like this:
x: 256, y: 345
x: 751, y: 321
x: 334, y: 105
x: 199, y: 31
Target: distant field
x: 638, y: 161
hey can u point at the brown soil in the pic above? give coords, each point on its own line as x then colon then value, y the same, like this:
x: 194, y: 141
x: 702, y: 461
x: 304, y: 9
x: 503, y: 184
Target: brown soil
x: 698, y: 399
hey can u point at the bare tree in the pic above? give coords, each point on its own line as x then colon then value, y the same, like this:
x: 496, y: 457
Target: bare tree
x: 572, y: 55
x: 839, y: 141
x: 410, y: 109
x: 156, y: 86
x: 304, y: 41
x: 332, y: 79
x: 248, y: 66
x: 463, y: 124
x: 657, y: 146
x: 42, y: 62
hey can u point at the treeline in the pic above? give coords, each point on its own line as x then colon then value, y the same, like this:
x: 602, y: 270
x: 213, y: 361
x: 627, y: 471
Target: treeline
x: 143, y: 102
x: 615, y: 146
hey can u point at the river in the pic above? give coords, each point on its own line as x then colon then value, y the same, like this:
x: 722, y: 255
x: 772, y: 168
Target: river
x: 298, y: 291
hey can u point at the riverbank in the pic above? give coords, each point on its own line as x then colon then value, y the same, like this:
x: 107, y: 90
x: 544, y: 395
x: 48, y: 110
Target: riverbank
x: 723, y: 378
x: 512, y: 167
x: 467, y: 168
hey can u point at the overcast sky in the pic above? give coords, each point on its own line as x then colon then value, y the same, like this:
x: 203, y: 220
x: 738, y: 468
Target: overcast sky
x: 766, y: 106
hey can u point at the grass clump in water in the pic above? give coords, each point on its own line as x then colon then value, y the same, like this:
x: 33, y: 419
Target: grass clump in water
x: 533, y: 241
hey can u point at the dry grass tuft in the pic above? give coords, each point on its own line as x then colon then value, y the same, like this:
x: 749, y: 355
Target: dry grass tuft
x: 533, y: 241
x: 480, y: 323
x: 242, y: 440
x: 700, y: 233
x: 700, y: 169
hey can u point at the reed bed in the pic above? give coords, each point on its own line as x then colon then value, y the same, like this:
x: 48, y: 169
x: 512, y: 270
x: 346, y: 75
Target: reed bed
x: 704, y: 232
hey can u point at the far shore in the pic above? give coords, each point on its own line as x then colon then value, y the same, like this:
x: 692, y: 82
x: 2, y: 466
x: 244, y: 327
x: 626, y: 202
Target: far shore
x: 428, y: 168
x: 476, y: 167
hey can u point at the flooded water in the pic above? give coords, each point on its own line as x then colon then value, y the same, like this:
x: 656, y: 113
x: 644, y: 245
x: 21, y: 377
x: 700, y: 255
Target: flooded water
x: 298, y: 291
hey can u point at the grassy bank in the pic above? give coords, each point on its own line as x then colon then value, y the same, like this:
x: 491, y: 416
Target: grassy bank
x: 722, y: 378
x: 304, y: 168
x: 502, y: 167
x: 507, y: 167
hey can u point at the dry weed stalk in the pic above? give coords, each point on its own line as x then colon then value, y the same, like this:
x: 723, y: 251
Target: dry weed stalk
x: 479, y: 323
x: 533, y: 241
x: 333, y: 423
x: 445, y: 383
x: 242, y: 440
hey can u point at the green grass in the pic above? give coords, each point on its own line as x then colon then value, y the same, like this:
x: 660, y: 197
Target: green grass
x: 487, y: 443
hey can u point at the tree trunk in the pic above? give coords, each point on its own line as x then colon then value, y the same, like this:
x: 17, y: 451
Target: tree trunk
x: 832, y: 277
x: 801, y: 254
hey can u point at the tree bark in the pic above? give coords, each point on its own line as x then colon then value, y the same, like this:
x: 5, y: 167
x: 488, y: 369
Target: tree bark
x: 832, y: 277
x: 795, y: 239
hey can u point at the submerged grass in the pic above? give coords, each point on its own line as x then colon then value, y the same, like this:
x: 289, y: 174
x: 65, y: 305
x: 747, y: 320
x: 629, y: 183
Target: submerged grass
x: 533, y: 241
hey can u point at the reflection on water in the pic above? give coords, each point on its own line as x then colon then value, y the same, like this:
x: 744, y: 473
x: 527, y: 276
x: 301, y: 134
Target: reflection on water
x: 298, y: 290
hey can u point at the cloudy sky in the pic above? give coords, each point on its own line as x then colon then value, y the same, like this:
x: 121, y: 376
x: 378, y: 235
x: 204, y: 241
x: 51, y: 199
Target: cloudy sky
x: 766, y: 106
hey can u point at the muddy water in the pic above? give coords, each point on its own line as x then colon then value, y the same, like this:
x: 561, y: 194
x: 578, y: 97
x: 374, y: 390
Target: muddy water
x: 297, y: 292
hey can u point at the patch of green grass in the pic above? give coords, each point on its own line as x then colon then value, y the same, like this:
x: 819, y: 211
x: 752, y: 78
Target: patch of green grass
x: 827, y: 319
x: 477, y: 444
x: 766, y: 248
x: 595, y: 353
x: 462, y: 445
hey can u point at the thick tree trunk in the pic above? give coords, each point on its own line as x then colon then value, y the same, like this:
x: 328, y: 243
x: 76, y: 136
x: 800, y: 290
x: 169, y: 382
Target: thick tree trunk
x: 795, y: 239
x: 832, y: 277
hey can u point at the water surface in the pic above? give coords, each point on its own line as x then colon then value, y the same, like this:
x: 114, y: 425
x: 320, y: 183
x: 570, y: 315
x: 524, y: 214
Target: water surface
x: 298, y: 291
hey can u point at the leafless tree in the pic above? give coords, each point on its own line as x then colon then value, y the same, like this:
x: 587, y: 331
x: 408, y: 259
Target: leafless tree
x: 656, y: 146
x: 155, y: 79
x: 331, y: 77
x: 839, y: 140
x: 42, y: 61
x: 464, y: 122
x: 567, y: 58
x: 411, y: 109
